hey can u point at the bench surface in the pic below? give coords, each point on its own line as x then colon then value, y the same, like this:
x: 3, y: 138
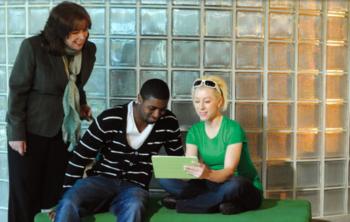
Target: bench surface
x: 270, y: 211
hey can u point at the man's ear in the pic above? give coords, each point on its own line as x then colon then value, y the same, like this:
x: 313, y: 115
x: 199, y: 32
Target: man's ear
x: 139, y: 99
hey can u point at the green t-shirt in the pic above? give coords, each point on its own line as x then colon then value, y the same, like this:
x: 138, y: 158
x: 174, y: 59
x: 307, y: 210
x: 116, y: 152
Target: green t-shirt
x: 212, y: 151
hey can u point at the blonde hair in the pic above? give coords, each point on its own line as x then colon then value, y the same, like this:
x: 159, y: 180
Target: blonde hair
x: 221, y: 84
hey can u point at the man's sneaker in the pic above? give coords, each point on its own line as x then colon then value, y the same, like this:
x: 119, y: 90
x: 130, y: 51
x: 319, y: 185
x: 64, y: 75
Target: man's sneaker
x: 229, y: 208
x: 169, y: 202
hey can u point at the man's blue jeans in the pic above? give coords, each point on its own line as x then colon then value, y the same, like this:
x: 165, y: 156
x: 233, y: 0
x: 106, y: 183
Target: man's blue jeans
x: 203, y: 196
x: 90, y: 195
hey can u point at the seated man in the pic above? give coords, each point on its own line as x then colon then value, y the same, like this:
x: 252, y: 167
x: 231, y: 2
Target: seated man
x: 125, y: 137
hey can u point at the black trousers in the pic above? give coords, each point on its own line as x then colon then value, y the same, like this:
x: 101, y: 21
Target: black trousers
x: 35, y: 179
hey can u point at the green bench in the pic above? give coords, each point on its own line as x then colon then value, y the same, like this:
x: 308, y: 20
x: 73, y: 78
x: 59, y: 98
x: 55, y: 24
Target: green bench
x: 270, y: 211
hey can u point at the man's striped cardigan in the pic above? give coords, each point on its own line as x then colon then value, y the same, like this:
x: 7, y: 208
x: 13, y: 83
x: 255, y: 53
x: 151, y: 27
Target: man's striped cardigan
x: 106, y: 136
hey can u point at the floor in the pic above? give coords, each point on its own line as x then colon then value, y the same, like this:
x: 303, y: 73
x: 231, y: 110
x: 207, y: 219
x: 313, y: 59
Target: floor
x: 345, y: 218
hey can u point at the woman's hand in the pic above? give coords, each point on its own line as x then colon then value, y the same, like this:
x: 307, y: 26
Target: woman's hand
x: 199, y: 170
x: 19, y: 146
x: 85, y: 112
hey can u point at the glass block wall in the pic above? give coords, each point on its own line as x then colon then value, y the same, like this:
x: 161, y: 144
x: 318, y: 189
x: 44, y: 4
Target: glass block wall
x: 286, y: 62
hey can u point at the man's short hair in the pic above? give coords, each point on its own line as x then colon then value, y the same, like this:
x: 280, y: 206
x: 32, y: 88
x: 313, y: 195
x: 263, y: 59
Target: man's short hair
x: 155, y: 88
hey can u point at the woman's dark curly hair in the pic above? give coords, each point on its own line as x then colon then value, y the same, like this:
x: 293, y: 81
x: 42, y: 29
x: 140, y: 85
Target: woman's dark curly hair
x: 64, y: 18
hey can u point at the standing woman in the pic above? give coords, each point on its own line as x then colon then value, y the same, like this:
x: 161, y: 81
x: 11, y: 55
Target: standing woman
x: 227, y: 179
x: 46, y: 103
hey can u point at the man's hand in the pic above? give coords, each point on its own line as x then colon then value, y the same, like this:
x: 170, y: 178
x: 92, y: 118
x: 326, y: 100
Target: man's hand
x: 19, y: 146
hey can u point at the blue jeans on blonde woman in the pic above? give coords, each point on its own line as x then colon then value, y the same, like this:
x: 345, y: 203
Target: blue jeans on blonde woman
x: 203, y: 196
x: 94, y: 194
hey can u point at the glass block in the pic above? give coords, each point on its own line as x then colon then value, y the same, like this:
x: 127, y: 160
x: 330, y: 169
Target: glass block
x: 279, y: 116
x: 334, y: 202
x: 309, y: 87
x: 3, y: 139
x: 313, y: 196
x: 250, y: 55
x: 308, y: 145
x: 336, y: 58
x: 185, y: 53
x: 123, y: 52
x: 96, y: 85
x: 282, y: 3
x: 281, y: 56
x: 281, y: 195
x: 97, y: 106
x: 152, y: 74
x: 336, y: 86
x: 3, y: 80
x: 309, y: 57
x: 3, y: 167
x: 37, y: 19
x: 255, y: 145
x: 249, y: 3
x: 185, y: 114
x: 13, y: 44
x: 153, y: 21
x: 217, y: 54
x: 218, y: 23
x: 39, y: 1
x: 182, y: 83
x: 333, y: 179
x: 309, y: 27
x: 3, y: 108
x: 3, y: 214
x: 280, y: 86
x: 92, y: 1
x: 15, y: 2
x: 154, y: 1
x: 218, y: 2
x: 186, y: 22
x: 122, y: 21
x: 249, y: 86
x: 250, y: 24
x: 309, y: 116
x: 337, y: 28
x: 279, y: 175
x: 123, y: 1
x: 153, y: 52
x: 2, y: 52
x: 4, y: 193
x: 98, y: 20
x: 100, y: 50
x: 13, y: 16
x: 2, y: 21
x: 186, y: 2
x: 279, y: 146
x: 337, y: 5
x: 122, y: 82
x: 310, y: 4
x: 335, y: 115
x: 281, y: 26
x: 119, y: 102
x: 308, y: 174
x: 335, y: 144
x: 249, y: 115
x: 225, y: 76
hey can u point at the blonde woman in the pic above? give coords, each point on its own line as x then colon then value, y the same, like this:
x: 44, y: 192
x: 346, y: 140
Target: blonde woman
x: 227, y: 180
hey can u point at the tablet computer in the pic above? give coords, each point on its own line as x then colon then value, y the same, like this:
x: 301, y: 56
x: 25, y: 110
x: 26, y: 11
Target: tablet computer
x: 172, y: 167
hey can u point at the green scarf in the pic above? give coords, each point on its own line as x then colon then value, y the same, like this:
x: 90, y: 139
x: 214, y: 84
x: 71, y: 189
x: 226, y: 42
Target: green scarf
x: 71, y: 105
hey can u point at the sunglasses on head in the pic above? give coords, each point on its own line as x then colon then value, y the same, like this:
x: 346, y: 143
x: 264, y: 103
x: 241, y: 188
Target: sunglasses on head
x: 206, y: 83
